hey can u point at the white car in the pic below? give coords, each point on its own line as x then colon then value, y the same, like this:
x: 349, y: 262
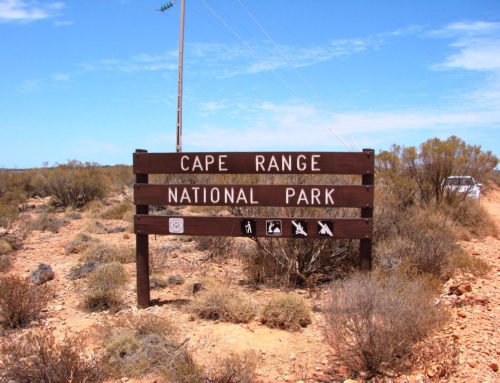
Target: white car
x: 463, y: 184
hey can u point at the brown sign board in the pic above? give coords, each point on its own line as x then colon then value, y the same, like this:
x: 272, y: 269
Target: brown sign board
x: 357, y: 196
x: 317, y: 228
x: 314, y: 196
x: 254, y: 163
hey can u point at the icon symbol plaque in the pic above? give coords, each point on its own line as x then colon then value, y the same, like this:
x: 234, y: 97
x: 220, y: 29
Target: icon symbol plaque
x: 248, y: 227
x: 273, y: 227
x: 299, y: 228
x: 325, y: 228
x: 176, y: 225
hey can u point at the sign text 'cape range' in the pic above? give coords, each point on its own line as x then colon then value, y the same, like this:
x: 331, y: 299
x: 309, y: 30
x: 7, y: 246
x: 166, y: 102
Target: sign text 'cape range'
x: 254, y: 163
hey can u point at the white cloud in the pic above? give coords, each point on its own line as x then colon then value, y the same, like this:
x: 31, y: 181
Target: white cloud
x: 306, y: 127
x: 476, y: 45
x: 138, y: 63
x: 27, y: 11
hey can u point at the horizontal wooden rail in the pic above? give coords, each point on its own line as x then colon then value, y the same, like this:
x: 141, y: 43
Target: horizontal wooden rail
x: 353, y: 196
x: 318, y: 228
x: 254, y: 163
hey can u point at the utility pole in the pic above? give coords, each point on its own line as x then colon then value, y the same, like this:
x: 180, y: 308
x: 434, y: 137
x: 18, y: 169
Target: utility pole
x: 180, y: 78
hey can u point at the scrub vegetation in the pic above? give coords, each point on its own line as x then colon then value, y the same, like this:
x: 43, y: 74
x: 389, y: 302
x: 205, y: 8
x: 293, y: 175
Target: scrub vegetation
x: 375, y: 322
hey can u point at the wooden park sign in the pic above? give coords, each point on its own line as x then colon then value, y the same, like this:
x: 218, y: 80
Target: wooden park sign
x: 327, y: 196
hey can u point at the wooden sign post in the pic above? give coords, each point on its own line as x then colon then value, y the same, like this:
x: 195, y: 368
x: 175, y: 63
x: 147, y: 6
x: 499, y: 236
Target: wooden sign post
x: 331, y: 196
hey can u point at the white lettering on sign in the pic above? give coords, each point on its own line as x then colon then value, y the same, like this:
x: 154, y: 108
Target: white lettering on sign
x: 204, y: 163
x: 312, y: 196
x: 210, y: 195
x: 287, y: 163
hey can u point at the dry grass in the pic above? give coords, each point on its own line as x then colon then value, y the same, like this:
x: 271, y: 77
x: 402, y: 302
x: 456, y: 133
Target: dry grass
x: 373, y: 321
x: 104, y: 284
x: 21, y: 302
x: 119, y: 211
x: 470, y: 219
x: 5, y: 246
x: 135, y: 346
x: 286, y: 312
x: 80, y: 243
x: 216, y: 247
x: 416, y: 239
x: 47, y: 222
x: 103, y: 253
x: 38, y: 357
x: 234, y: 368
x: 468, y: 263
x: 222, y: 303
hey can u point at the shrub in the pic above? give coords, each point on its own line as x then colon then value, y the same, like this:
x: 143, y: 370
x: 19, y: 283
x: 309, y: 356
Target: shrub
x: 215, y: 246
x: 118, y: 211
x: 103, y: 253
x: 469, y: 217
x: 468, y: 263
x: 234, y: 368
x: 417, y: 241
x: 141, y: 345
x: 5, y: 246
x: 221, y: 303
x: 80, y: 243
x: 74, y: 184
x: 372, y: 321
x: 38, y: 357
x: 104, y: 285
x: 292, y: 262
x: 8, y: 214
x: 20, y: 301
x: 419, y: 173
x: 157, y: 281
x: 286, y: 312
x: 47, y: 222
x: 175, y: 279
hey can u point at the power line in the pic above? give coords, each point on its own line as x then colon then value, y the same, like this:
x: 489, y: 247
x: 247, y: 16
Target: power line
x: 244, y: 42
x: 285, y: 58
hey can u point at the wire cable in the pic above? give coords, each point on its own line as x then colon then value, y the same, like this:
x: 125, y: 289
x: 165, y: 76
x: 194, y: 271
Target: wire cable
x: 287, y: 61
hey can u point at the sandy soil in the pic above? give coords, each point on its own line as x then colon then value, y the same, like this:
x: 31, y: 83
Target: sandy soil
x: 284, y: 356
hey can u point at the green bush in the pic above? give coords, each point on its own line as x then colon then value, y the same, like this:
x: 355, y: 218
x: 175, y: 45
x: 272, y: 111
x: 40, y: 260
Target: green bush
x: 286, y: 312
x: 74, y: 184
x: 373, y: 321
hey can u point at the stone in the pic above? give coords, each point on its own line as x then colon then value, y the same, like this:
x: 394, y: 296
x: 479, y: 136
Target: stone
x: 42, y: 274
x: 461, y: 314
x: 494, y: 366
x: 472, y: 363
x: 82, y: 270
x: 197, y: 286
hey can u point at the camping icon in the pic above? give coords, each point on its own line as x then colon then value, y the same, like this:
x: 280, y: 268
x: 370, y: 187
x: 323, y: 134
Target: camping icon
x: 273, y: 227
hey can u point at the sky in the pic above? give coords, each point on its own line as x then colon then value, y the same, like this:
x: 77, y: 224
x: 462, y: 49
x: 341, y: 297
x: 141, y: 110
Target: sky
x: 93, y: 80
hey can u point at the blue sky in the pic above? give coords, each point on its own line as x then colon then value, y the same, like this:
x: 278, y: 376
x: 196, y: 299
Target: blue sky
x: 95, y: 79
